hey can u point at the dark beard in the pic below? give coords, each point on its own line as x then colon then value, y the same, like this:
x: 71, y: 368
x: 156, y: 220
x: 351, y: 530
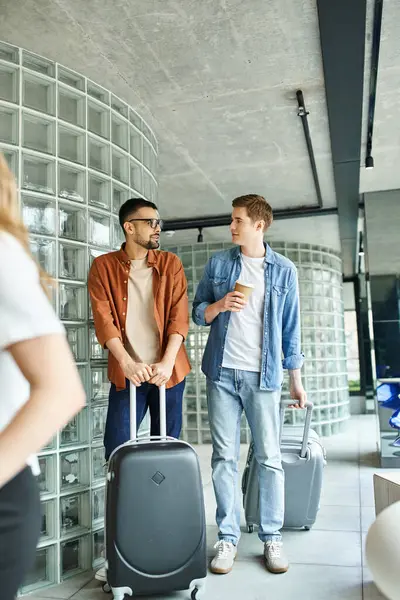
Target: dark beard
x: 149, y: 244
x: 152, y: 245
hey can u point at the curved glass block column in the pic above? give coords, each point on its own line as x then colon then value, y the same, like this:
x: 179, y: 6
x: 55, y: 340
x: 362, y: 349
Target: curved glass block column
x: 78, y: 153
x: 323, y: 337
x: 323, y: 340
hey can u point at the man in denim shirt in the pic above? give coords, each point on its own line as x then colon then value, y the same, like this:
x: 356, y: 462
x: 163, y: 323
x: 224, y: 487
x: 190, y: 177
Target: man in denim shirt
x: 243, y: 364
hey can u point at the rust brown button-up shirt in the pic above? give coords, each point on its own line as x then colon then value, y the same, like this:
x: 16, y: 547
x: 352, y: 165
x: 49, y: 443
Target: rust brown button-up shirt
x: 108, y: 286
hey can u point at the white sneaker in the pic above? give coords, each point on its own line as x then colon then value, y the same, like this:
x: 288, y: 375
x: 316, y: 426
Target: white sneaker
x: 222, y: 562
x: 101, y: 575
x: 275, y: 558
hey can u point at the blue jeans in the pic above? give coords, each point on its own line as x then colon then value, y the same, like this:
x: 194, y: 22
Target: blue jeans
x: 147, y: 397
x: 227, y: 398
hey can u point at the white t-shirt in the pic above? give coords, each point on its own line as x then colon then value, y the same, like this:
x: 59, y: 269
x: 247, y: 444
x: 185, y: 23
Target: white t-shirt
x: 25, y: 313
x: 244, y: 339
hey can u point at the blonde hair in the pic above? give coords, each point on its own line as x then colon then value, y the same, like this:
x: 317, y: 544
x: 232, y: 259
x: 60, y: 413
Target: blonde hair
x: 10, y: 217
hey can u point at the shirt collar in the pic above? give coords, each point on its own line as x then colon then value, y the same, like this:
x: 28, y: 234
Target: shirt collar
x: 269, y: 253
x: 122, y: 255
x: 124, y: 258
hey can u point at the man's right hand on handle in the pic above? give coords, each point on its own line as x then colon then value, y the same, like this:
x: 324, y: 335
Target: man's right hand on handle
x: 136, y: 372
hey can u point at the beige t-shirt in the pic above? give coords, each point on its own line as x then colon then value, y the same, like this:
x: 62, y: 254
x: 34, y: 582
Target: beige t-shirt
x: 141, y: 328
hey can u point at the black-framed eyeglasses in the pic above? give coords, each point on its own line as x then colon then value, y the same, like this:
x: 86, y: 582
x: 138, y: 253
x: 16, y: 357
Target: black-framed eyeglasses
x: 154, y: 223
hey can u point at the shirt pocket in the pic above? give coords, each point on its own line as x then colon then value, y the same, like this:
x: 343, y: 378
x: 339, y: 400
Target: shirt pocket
x: 278, y: 298
x: 279, y: 290
x: 220, y: 286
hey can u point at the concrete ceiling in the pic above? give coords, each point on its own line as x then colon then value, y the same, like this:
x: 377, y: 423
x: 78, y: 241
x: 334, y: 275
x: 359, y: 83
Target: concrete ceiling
x: 216, y: 79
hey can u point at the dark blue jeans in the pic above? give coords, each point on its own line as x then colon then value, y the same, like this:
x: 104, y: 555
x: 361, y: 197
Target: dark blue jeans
x: 147, y: 397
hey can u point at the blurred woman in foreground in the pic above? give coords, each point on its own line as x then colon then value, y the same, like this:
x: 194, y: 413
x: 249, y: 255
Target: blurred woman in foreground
x: 40, y: 388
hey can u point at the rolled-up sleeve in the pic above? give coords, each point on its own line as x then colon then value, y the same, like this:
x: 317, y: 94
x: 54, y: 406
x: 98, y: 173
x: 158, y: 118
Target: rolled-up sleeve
x: 102, y: 315
x: 178, y: 320
x: 291, y: 333
x: 203, y: 298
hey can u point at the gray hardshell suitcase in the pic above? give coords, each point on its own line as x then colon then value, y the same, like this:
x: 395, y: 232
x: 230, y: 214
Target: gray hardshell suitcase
x: 303, y: 460
x: 155, y: 517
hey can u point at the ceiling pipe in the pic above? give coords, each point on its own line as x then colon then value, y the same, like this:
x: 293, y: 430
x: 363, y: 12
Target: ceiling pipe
x: 376, y: 42
x: 225, y: 220
x: 303, y: 114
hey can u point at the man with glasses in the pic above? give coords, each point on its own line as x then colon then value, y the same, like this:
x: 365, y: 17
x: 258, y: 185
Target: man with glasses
x: 140, y: 311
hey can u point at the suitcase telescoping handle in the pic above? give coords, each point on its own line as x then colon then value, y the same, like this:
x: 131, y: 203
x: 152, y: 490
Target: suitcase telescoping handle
x: 307, y: 424
x: 163, y: 411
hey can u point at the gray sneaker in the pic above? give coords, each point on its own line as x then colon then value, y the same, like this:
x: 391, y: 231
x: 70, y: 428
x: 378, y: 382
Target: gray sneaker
x: 275, y: 558
x: 222, y: 562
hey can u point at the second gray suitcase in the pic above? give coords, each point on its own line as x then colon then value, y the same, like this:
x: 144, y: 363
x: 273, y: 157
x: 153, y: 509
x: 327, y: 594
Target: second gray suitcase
x: 303, y: 460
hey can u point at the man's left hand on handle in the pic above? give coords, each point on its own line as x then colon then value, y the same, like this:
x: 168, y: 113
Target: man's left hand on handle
x: 297, y: 391
x: 162, y: 372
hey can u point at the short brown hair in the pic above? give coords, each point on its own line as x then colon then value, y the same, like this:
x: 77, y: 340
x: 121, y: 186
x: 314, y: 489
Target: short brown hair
x: 257, y: 207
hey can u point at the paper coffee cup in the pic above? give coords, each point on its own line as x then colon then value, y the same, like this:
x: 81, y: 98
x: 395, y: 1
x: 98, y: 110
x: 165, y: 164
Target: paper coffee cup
x: 244, y: 288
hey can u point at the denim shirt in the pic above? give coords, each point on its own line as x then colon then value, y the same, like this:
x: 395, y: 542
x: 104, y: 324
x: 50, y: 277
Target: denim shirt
x: 281, y: 324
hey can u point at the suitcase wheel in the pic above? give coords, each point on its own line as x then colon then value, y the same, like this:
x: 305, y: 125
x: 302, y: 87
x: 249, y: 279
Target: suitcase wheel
x: 106, y: 588
x: 307, y: 527
x: 250, y: 528
x: 193, y: 595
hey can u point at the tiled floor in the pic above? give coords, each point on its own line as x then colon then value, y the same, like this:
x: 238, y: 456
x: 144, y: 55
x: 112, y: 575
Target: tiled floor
x: 327, y: 563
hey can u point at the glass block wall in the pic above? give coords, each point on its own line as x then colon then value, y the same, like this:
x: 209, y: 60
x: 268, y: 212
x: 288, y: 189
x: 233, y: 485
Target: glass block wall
x: 323, y: 340
x: 78, y: 152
